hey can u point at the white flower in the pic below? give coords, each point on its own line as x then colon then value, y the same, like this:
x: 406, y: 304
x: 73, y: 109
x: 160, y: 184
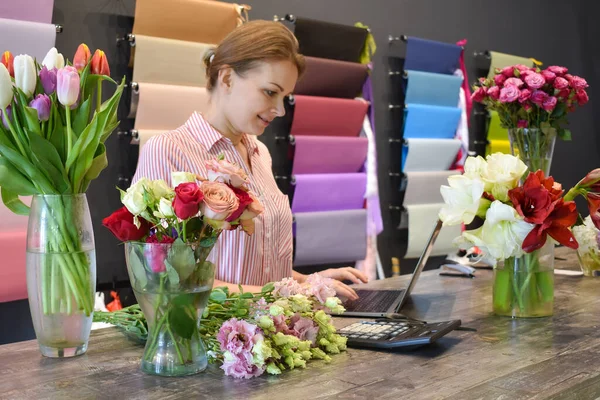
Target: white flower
x: 6, y: 88
x: 53, y: 59
x: 134, y: 198
x: 182, y: 177
x: 165, y: 209
x: 462, y: 198
x: 502, y: 174
x: 25, y: 74
x: 160, y: 190
x: 586, y: 235
x: 474, y: 167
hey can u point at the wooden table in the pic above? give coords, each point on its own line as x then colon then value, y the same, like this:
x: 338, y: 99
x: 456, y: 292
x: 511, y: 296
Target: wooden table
x: 556, y: 357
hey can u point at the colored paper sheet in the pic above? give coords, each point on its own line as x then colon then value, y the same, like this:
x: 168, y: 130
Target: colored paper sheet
x: 431, y: 56
x: 27, y: 10
x: 424, y: 121
x: 25, y: 37
x: 432, y: 89
x: 329, y: 154
x: 495, y: 130
x: 169, y: 61
x: 419, y: 155
x: 330, y: 236
x: 166, y: 107
x: 191, y: 20
x: 329, y: 192
x: 421, y: 221
x: 498, y: 146
x: 331, y: 78
x: 501, y: 60
x: 328, y: 40
x: 424, y: 187
x: 13, y: 278
x: 328, y: 116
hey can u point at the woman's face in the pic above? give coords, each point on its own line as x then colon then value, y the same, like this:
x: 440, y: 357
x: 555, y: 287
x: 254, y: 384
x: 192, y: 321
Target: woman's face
x: 255, y: 99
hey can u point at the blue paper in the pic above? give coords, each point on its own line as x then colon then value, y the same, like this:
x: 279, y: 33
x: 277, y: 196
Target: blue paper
x: 431, y: 122
x: 431, y: 56
x: 432, y: 89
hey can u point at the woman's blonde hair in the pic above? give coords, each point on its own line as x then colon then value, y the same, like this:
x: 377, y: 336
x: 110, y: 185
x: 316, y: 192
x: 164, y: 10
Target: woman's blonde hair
x: 252, y: 43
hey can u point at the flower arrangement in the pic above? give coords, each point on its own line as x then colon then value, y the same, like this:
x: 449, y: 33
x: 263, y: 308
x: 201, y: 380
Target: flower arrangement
x: 588, y: 237
x: 281, y: 328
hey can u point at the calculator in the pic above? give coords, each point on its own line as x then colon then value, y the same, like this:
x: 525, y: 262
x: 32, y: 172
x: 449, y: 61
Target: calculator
x: 389, y: 333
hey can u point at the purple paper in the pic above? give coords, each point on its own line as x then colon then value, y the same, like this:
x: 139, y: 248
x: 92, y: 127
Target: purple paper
x: 24, y: 37
x: 27, y: 10
x: 329, y: 192
x: 329, y: 154
x: 330, y: 237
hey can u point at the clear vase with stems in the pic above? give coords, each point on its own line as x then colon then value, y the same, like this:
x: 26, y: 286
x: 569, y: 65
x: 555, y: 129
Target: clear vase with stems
x: 534, y: 146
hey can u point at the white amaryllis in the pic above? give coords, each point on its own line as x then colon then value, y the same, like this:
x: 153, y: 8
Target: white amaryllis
x: 53, y: 59
x: 502, y: 174
x: 178, y: 178
x: 462, y: 198
x: 474, y: 167
x: 25, y: 73
x: 6, y: 88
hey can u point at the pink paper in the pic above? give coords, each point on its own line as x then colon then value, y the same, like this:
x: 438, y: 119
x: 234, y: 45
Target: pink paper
x: 26, y: 37
x: 329, y: 192
x: 328, y: 116
x: 329, y: 154
x: 27, y: 10
x: 13, y: 278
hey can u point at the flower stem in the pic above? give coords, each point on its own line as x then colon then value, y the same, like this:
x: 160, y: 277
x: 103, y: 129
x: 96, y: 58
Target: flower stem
x: 179, y: 355
x: 15, y: 135
x: 69, y: 139
x: 98, y: 95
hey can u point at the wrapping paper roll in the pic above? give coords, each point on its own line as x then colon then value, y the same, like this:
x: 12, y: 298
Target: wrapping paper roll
x: 501, y: 60
x: 169, y: 61
x: 431, y: 56
x: 27, y: 10
x: 420, y: 155
x: 328, y: 116
x: 13, y: 277
x: 498, y: 146
x: 331, y: 78
x: 421, y: 220
x: 167, y: 107
x: 330, y: 237
x: 433, y: 122
x: 329, y: 155
x: 329, y: 192
x: 328, y: 40
x: 432, y: 89
x: 24, y: 37
x: 190, y: 20
x: 424, y: 187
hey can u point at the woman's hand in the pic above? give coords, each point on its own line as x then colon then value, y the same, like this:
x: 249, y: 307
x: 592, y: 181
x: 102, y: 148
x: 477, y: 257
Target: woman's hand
x: 344, y: 274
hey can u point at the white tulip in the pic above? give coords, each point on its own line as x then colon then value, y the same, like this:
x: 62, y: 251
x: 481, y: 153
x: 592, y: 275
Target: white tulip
x: 502, y: 174
x: 54, y: 59
x: 25, y: 73
x: 6, y: 88
x: 178, y: 178
x: 462, y: 198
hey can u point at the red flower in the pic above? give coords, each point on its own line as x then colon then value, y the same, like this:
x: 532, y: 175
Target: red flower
x: 593, y: 201
x: 156, y: 255
x: 188, y: 197
x: 245, y: 201
x: 556, y: 225
x: 121, y: 225
x: 532, y: 200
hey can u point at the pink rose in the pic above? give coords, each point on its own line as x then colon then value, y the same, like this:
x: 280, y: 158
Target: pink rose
x: 522, y: 123
x: 508, y: 94
x: 578, y: 83
x: 557, y: 70
x: 521, y: 67
x: 538, y: 97
x: 525, y: 95
x: 253, y: 209
x: 527, y: 107
x: 508, y: 71
x: 225, y: 172
x: 582, y: 97
x: 564, y: 94
x: 548, y: 76
x: 526, y: 72
x: 513, y: 82
x: 568, y: 77
x: 549, y: 103
x: 499, y: 79
x: 535, y: 81
x: 479, y: 94
x: 561, y: 83
x: 219, y: 201
x: 494, y: 92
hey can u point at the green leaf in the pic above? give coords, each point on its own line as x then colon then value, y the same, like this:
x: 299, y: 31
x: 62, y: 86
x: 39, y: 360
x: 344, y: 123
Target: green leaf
x: 32, y: 121
x: 181, y: 257
x: 181, y: 322
x: 172, y: 274
x: 98, y: 163
x: 47, y: 158
x: 11, y: 179
x: 246, y: 295
x: 27, y: 169
x: 218, y: 296
x: 209, y: 241
x: 57, y: 134
x: 564, y: 134
x: 82, y: 117
x: 182, y: 300
x: 269, y: 287
x: 137, y: 267
x: 13, y: 203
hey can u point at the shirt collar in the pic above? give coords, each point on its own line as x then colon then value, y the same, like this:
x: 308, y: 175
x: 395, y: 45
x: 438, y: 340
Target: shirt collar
x: 209, y: 136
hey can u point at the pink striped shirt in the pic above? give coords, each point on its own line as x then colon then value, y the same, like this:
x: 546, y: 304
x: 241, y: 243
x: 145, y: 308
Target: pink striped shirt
x: 248, y: 260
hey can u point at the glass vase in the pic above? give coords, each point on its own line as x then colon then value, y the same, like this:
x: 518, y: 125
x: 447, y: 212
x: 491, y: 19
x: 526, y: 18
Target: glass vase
x: 172, y: 283
x: 534, y: 147
x: 589, y: 260
x: 61, y: 273
x: 524, y: 286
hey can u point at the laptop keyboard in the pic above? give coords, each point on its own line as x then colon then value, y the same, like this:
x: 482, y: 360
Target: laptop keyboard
x: 373, y: 300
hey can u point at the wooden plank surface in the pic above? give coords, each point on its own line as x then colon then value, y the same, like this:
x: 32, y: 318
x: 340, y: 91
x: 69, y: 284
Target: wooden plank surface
x: 557, y: 357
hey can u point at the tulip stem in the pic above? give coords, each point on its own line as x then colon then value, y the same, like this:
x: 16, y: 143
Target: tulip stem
x: 69, y: 140
x: 15, y: 135
x: 99, y: 95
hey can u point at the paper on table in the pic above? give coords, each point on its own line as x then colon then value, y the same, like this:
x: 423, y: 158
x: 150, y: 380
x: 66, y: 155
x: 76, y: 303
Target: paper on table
x: 329, y: 192
x: 25, y: 37
x: 331, y: 78
x: 432, y: 89
x: 425, y: 121
x: 495, y: 130
x: 431, y: 56
x: 330, y: 236
x: 501, y: 60
x: 169, y: 61
x: 13, y: 278
x: 424, y: 187
x: 429, y: 154
x: 192, y: 20
x: 27, y: 10
x: 329, y: 154
x: 502, y: 146
x: 328, y: 116
x: 167, y: 107
x: 421, y: 220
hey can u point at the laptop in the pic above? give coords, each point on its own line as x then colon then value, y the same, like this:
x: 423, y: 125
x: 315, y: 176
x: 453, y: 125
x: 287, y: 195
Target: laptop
x: 374, y: 303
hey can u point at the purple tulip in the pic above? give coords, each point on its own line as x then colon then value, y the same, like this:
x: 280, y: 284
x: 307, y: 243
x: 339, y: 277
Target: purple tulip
x: 42, y: 104
x: 9, y: 113
x: 48, y: 78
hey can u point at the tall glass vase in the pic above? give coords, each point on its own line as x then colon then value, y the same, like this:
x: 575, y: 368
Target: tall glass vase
x: 61, y: 273
x: 534, y: 146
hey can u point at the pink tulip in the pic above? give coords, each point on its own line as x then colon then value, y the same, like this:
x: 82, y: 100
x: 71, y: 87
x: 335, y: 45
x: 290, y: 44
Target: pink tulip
x: 67, y: 85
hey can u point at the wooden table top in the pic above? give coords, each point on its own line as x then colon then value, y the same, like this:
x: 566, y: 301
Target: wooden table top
x: 556, y: 357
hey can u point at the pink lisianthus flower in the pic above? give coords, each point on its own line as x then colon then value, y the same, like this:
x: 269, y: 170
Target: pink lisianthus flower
x: 549, y: 76
x: 557, y: 70
x: 499, y: 79
x: 238, y: 336
x: 287, y: 287
x: 538, y: 97
x: 479, y: 94
x: 320, y: 287
x: 513, y: 82
x: 525, y: 95
x: 240, y: 366
x: 549, y: 104
x: 508, y: 71
x: 535, y: 81
x: 304, y: 328
x: 508, y: 94
x: 494, y: 92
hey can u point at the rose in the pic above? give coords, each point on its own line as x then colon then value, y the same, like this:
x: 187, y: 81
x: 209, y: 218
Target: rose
x: 462, y: 200
x: 219, y: 201
x: 178, y: 178
x: 494, y: 92
x: 253, y: 209
x: 549, y: 104
x: 578, y: 83
x: 508, y: 94
x: 244, y: 200
x: 535, y: 81
x: 499, y: 79
x: 564, y: 94
x: 549, y: 76
x: 121, y: 224
x: 226, y: 172
x: 522, y: 123
x: 525, y: 95
x: 188, y: 197
x: 532, y: 200
x: 157, y: 254
x: 561, y: 83
x: 479, y: 94
x: 522, y: 68
x: 508, y: 71
x: 134, y: 199
x: 557, y: 70
x: 538, y: 97
x: 513, y: 82
x: 502, y: 174
x: 165, y: 209
x: 160, y: 189
x: 582, y: 97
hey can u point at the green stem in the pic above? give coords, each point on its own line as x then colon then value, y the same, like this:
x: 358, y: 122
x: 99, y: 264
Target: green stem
x: 514, y: 282
x: 15, y: 135
x: 98, y: 95
x: 69, y: 134
x: 181, y: 361
x: 184, y: 232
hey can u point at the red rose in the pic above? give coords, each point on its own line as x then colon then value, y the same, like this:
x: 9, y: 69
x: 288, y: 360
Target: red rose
x: 121, y: 225
x: 532, y: 200
x: 556, y: 225
x: 582, y: 97
x: 156, y: 255
x: 188, y: 197
x: 245, y: 201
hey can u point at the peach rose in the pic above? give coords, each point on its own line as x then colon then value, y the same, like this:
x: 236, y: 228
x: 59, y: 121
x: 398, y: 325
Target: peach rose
x: 225, y: 172
x: 219, y: 201
x: 253, y: 209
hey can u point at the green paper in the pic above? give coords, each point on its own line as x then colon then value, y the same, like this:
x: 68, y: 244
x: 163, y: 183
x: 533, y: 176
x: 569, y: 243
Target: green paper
x: 501, y: 60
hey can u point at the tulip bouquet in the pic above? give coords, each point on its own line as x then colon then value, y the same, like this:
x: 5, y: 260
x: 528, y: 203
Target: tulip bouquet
x: 52, y: 135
